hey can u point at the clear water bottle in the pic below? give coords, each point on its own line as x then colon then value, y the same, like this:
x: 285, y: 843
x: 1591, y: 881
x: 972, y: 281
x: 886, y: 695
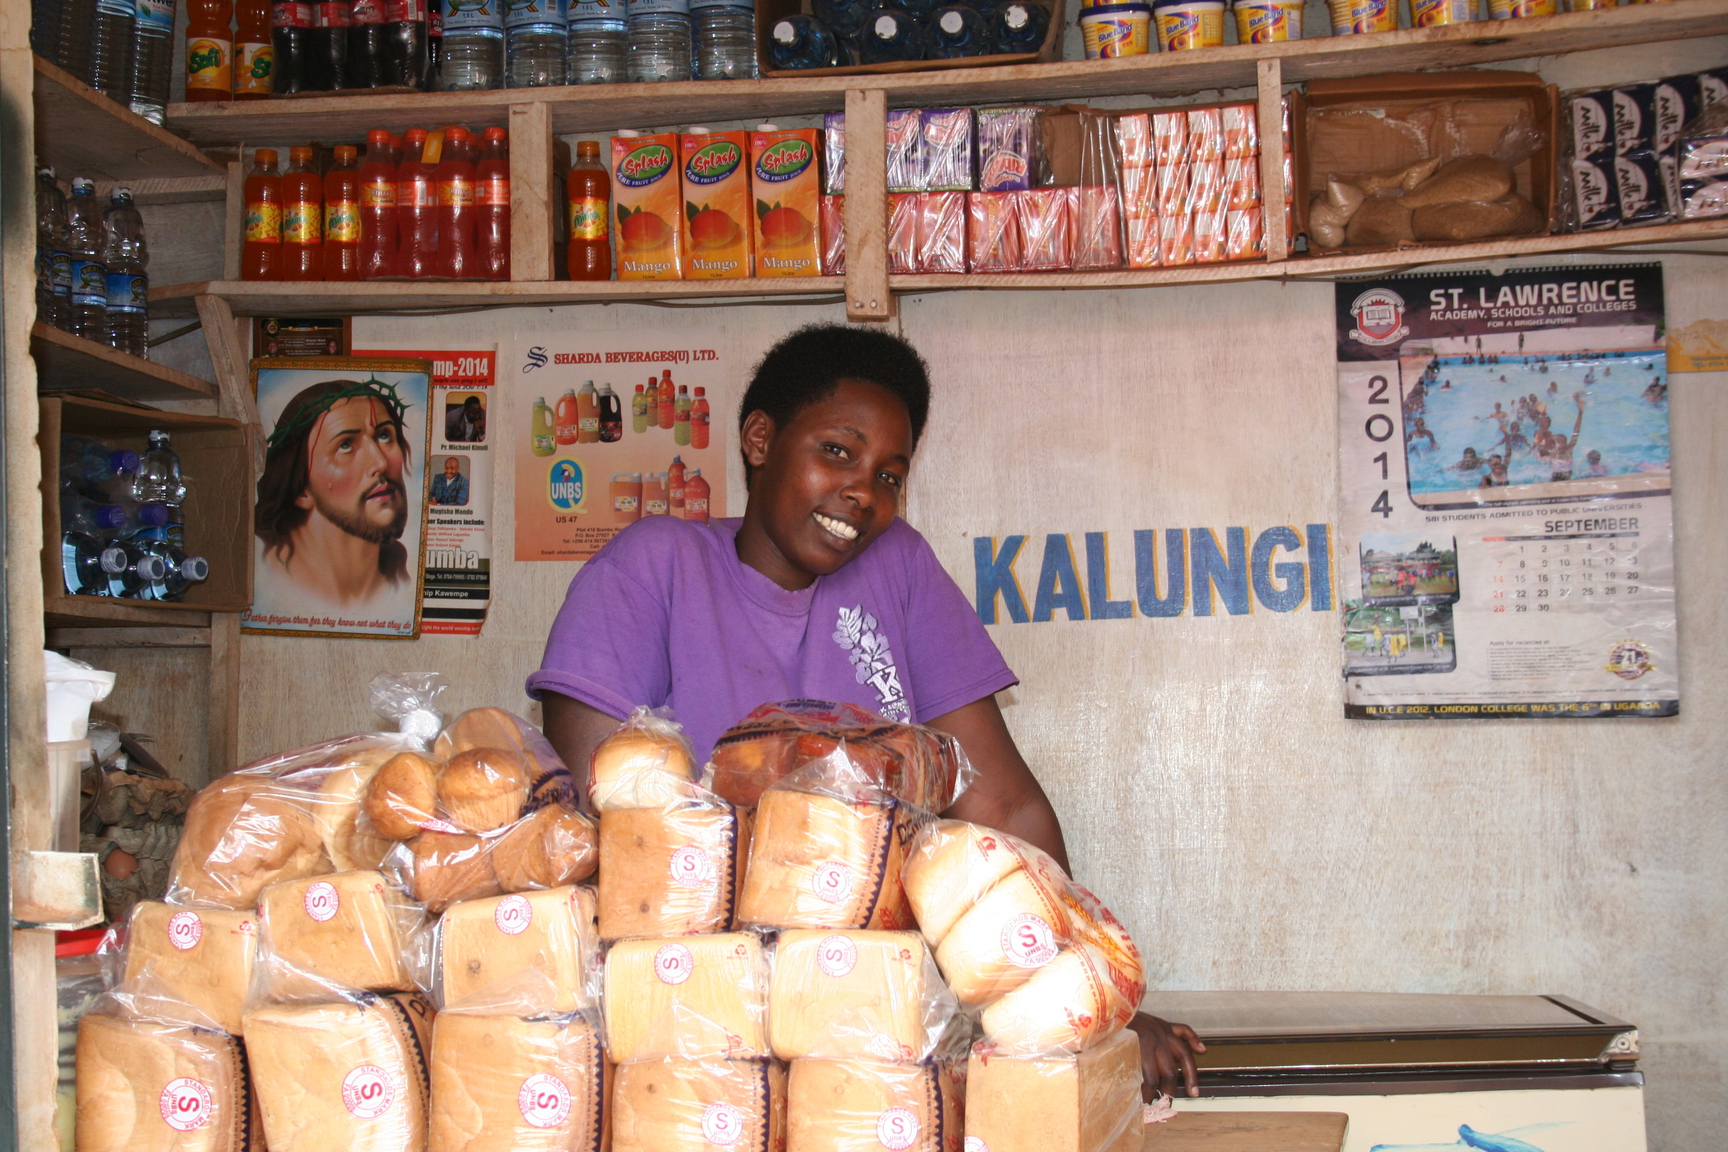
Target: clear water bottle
x: 1019, y: 27
x: 73, y: 52
x: 89, y: 517
x: 891, y: 35
x: 473, y: 46
x: 95, y: 469
x: 81, y: 565
x: 125, y: 260
x: 659, y: 40
x: 725, y: 35
x: 802, y: 42
x: 158, y: 480
x: 599, y: 43
x: 53, y: 306
x: 111, y: 43
x: 843, y: 17
x: 179, y: 570
x: 152, y: 57
x: 85, y: 242
x: 45, y: 28
x: 131, y: 568
x: 534, y: 43
x: 958, y: 30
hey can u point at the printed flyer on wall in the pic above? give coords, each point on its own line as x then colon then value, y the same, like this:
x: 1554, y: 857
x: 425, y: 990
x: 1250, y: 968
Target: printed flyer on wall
x: 1507, y: 531
x: 458, y: 582
x: 610, y: 427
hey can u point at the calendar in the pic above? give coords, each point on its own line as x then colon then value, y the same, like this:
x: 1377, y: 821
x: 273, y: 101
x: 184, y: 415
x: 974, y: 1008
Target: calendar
x: 1507, y: 540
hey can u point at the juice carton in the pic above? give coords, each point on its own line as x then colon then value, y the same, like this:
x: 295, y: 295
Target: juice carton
x: 645, y: 189
x: 716, y: 216
x: 786, y: 182
x: 902, y: 233
x: 833, y: 235
x: 942, y: 231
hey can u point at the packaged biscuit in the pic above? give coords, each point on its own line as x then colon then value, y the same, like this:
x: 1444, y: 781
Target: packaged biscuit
x: 1241, y: 127
x: 1046, y: 236
x: 1007, y: 149
x: 947, y: 149
x: 905, y: 129
x: 1170, y: 137
x: 902, y: 233
x: 833, y: 235
x: 942, y: 232
x: 992, y: 232
x: 834, y: 153
x: 786, y: 182
x: 1205, y: 134
x: 648, y: 203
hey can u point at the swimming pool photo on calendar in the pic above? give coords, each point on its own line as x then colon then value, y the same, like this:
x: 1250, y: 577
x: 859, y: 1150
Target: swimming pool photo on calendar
x: 1523, y: 425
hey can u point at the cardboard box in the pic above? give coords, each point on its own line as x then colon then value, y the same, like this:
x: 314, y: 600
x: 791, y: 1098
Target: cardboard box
x: 1490, y: 101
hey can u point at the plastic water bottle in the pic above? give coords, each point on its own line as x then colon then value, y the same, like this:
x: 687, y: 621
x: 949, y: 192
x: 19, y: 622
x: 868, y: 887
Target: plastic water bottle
x: 111, y: 36
x: 131, y: 568
x: 52, y: 306
x: 1019, y: 27
x: 473, y: 48
x: 922, y: 9
x: 659, y: 40
x: 125, y: 260
x: 534, y: 43
x: 85, y: 242
x: 958, y: 30
x: 598, y: 44
x: 725, y: 34
x: 45, y: 28
x: 89, y: 517
x: 73, y: 52
x: 802, y: 42
x: 81, y: 564
x: 843, y: 17
x: 95, y: 469
x: 891, y: 35
x: 179, y: 570
x: 158, y: 479
x: 152, y: 57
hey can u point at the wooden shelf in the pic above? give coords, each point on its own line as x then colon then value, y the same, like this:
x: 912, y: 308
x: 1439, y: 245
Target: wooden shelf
x: 66, y: 363
x: 80, y: 132
x: 63, y: 611
x: 607, y: 107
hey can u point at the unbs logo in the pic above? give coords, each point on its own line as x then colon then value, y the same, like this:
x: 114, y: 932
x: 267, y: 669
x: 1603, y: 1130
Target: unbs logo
x: 713, y: 163
x: 644, y: 165
x: 784, y: 160
x: 565, y: 485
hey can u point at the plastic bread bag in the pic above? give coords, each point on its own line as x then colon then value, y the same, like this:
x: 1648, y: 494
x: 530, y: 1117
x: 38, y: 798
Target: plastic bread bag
x: 856, y: 995
x: 643, y: 764
x: 866, y: 1106
x: 920, y: 765
x: 673, y: 869
x: 339, y: 934
x: 524, y: 954
x: 1021, y: 1104
x: 524, y: 1085
x: 942, y: 232
x: 410, y: 701
x: 483, y: 751
x: 550, y: 847
x: 903, y: 233
x: 348, y: 1073
x: 1046, y: 235
x: 992, y: 232
x: 696, y: 997
x: 157, y: 1086
x: 186, y: 965
x: 679, y: 1105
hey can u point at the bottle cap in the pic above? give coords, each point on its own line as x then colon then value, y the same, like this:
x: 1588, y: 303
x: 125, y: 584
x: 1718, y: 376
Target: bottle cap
x: 377, y: 138
x: 113, y: 560
x: 151, y: 567
x: 886, y: 27
x: 416, y: 136
x: 345, y: 153
x: 496, y: 133
x: 195, y: 568
x: 952, y: 22
x: 694, y: 472
x: 701, y: 391
x: 588, y: 149
x: 85, y: 184
x: 45, y: 171
x: 300, y: 154
x: 456, y: 132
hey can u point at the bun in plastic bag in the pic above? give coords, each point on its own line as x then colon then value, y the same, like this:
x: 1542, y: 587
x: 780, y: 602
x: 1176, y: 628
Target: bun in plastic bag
x: 402, y: 798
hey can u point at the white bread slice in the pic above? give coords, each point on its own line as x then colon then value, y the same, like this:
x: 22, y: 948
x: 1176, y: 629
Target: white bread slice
x: 854, y: 995
x: 525, y: 954
x: 190, y: 964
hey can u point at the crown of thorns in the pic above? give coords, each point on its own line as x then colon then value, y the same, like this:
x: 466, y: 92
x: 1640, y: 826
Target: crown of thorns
x: 308, y: 415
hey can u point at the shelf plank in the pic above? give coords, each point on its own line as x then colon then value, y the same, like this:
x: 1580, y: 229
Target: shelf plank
x: 80, y: 132
x: 607, y: 107
x: 63, y: 611
x: 65, y: 363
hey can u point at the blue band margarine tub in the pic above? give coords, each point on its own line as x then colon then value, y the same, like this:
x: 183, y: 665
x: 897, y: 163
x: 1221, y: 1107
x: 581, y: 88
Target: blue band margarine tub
x: 1351, y: 16
x: 1267, y: 21
x: 1114, y: 30
x: 1517, y: 9
x: 1433, y: 13
x: 1184, y: 24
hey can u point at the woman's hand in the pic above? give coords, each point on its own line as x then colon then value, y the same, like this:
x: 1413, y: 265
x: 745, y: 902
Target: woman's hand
x: 1166, y: 1057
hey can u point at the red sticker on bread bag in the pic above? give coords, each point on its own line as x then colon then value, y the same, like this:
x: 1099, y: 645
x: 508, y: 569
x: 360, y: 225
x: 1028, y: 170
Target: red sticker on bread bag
x: 722, y: 1125
x: 185, y: 929
x: 1028, y: 942
x: 185, y: 1104
x: 367, y: 1091
x: 836, y: 955
x: 673, y: 964
x: 897, y: 1129
x: 513, y: 915
x: 322, y: 901
x: 544, y: 1100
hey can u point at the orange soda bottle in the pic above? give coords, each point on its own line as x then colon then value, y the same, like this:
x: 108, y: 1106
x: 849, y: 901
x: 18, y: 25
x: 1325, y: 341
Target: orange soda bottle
x: 254, y: 51
x: 342, y: 217
x: 302, y: 218
x: 209, y: 51
x: 589, y: 191
x: 261, y: 253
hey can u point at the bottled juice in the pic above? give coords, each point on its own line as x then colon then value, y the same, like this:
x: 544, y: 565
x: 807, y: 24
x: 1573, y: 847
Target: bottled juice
x: 261, y: 255
x: 542, y: 430
x: 696, y: 497
x: 639, y: 411
x: 565, y: 424
x: 681, y: 417
x: 611, y: 416
x: 716, y: 216
x: 699, y: 419
x: 587, y: 415
x: 654, y: 501
x: 453, y: 188
x: 588, y: 189
x: 675, y: 487
x: 668, y: 400
x: 786, y: 187
x: 209, y: 51
x: 651, y: 395
x: 492, y: 190
x: 302, y: 218
x: 626, y: 498
x: 416, y: 214
x: 342, y: 217
x: 645, y: 187
x: 378, y: 240
x: 254, y: 50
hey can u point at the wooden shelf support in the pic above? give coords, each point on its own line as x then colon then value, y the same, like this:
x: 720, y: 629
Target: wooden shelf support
x: 534, y: 196
x: 867, y: 295
x: 1270, y: 115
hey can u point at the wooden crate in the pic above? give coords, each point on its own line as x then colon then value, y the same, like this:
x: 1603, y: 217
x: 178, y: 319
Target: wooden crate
x: 770, y: 11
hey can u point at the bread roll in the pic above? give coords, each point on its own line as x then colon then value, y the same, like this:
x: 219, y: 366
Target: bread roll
x: 746, y: 766
x: 342, y: 1075
x: 501, y: 1084
x: 336, y: 932
x: 670, y: 871
x: 145, y: 1086
x: 484, y: 788
x: 694, y: 996
x: 484, y: 728
x: 550, y: 848
x: 1018, y: 927
x: 190, y: 965
x: 640, y: 767
x: 1480, y: 178
x: 855, y: 995
x: 525, y: 954
x: 1380, y: 220
x: 338, y: 809
x: 451, y: 866
x: 243, y: 832
x: 402, y: 796
x: 818, y: 862
x: 677, y: 1105
x: 851, y: 1106
x: 1086, y: 1103
x: 1069, y: 1005
x: 1509, y: 216
x: 949, y: 867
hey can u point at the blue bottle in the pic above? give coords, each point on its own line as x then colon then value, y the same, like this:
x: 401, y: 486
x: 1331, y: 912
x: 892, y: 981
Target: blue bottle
x: 922, y: 9
x: 843, y: 17
x: 958, y: 30
x: 92, y: 466
x: 1019, y: 26
x: 797, y: 42
x: 131, y: 569
x: 81, y: 565
x: 890, y: 36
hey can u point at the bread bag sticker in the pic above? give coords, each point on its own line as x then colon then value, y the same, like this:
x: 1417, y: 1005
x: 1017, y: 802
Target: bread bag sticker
x: 722, y: 1124
x: 832, y: 881
x: 322, y: 901
x: 691, y: 867
x: 976, y: 1144
x: 896, y: 1129
x: 544, y: 1100
x: 367, y: 1091
x: 185, y: 929
x: 837, y: 955
x: 513, y: 915
x: 185, y: 1104
x: 1028, y: 942
x: 673, y: 964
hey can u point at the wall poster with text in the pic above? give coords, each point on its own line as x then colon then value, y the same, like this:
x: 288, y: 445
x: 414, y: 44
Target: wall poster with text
x: 1507, y: 543
x: 610, y: 427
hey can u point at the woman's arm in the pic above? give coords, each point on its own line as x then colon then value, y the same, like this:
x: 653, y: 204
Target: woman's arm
x: 574, y: 728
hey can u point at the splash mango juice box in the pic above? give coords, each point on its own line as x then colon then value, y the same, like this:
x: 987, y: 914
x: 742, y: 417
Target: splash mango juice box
x: 785, y: 180
x: 716, y: 216
x: 647, y: 239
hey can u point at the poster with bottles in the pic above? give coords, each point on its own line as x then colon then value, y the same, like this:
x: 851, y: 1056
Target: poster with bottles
x: 456, y: 589
x: 1507, y: 516
x: 611, y: 427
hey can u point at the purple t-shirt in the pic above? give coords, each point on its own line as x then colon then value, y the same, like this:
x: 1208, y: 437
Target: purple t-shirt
x: 666, y: 614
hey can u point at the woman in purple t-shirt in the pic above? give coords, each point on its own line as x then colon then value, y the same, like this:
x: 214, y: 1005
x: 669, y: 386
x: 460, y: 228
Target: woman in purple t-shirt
x: 819, y: 591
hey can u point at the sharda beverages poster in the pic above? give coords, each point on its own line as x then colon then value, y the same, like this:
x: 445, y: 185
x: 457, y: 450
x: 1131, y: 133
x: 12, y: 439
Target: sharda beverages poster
x: 1507, y: 534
